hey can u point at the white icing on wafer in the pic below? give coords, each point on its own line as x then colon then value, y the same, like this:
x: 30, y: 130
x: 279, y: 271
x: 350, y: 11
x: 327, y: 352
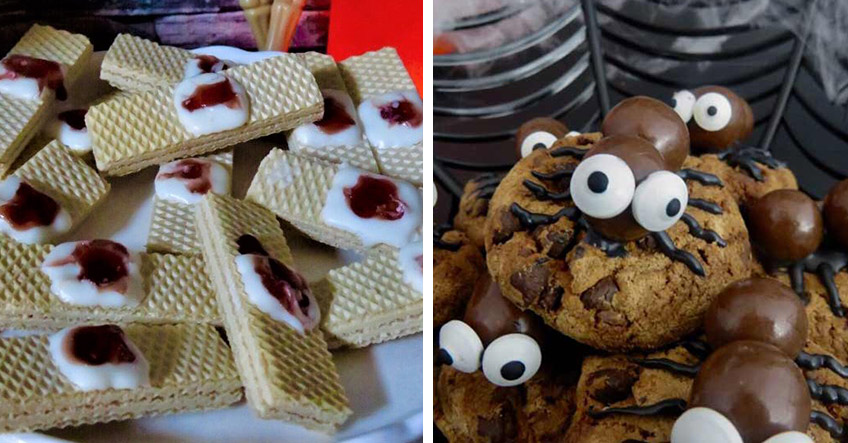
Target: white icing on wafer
x: 337, y: 211
x: 186, y: 181
x: 77, y: 140
x: 385, y: 121
x: 14, y: 199
x: 23, y: 88
x: 411, y: 261
x: 201, y: 118
x: 204, y: 63
x: 259, y: 295
x: 100, y: 373
x: 338, y: 127
x: 237, y: 55
x: 72, y: 266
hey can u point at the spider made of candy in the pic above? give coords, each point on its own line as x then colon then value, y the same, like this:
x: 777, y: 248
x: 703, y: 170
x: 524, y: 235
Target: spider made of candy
x: 750, y: 388
x: 629, y: 184
x: 790, y: 232
x: 718, y: 121
x: 495, y: 335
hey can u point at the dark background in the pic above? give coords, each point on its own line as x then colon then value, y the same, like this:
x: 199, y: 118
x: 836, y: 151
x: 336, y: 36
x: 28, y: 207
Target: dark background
x: 645, y: 47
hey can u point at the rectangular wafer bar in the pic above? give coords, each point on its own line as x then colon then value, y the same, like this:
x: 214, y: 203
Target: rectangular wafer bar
x: 68, y: 179
x: 176, y: 286
x: 191, y: 369
x: 172, y: 229
x: 135, y: 64
x: 295, y: 188
x: 327, y: 75
x: 368, y: 302
x: 131, y: 132
x: 287, y: 374
x: 376, y: 73
x: 21, y: 119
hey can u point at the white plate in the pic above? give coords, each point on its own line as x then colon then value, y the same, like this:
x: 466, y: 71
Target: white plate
x: 383, y: 382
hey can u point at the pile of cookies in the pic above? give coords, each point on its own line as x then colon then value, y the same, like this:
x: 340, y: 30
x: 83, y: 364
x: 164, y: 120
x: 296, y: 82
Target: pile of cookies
x: 213, y: 308
x: 655, y: 281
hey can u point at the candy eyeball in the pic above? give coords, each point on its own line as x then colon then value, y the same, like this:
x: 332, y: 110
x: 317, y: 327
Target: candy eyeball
x: 537, y: 140
x: 790, y: 437
x: 459, y: 346
x: 660, y: 200
x: 683, y: 103
x: 602, y: 186
x: 704, y: 425
x: 712, y: 112
x: 512, y: 359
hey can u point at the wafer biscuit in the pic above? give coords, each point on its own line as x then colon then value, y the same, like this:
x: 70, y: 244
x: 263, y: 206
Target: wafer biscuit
x: 57, y: 172
x: 172, y: 229
x: 131, y: 132
x: 368, y: 302
x: 287, y: 375
x: 327, y: 75
x: 191, y: 369
x: 21, y: 119
x: 375, y: 73
x: 135, y: 64
x: 176, y: 286
x: 295, y: 188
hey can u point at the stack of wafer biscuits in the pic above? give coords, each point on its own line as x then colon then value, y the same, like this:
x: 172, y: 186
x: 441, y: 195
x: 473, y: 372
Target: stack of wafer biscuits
x: 190, y: 279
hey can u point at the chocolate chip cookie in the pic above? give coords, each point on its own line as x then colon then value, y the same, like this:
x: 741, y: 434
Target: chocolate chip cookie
x: 457, y: 263
x: 739, y: 182
x: 474, y: 206
x: 613, y: 295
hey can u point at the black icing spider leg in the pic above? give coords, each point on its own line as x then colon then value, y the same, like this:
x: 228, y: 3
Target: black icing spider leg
x: 669, y: 365
x: 668, y: 248
x: 707, y: 235
x: 609, y: 247
x: 706, y: 205
x: 828, y: 394
x: 701, y: 177
x: 829, y: 424
x: 826, y: 275
x: 747, y: 157
x: 672, y: 406
x: 568, y: 151
x: 796, y: 278
x: 542, y: 194
x: 818, y: 361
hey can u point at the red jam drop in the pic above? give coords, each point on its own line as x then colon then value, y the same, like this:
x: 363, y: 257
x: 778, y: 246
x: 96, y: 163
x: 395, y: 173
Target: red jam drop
x: 284, y: 284
x: 75, y: 118
x: 402, y: 112
x: 220, y: 93
x: 48, y: 73
x: 207, y: 62
x: 194, y: 172
x: 29, y: 208
x: 336, y: 119
x: 98, y: 345
x: 248, y: 244
x: 375, y: 197
x: 102, y: 262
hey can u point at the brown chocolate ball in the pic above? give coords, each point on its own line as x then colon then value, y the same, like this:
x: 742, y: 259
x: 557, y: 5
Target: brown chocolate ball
x: 719, y: 138
x: 653, y: 121
x: 491, y: 315
x: 757, y: 387
x: 541, y: 131
x: 759, y: 309
x: 786, y: 225
x: 836, y: 213
x: 643, y: 159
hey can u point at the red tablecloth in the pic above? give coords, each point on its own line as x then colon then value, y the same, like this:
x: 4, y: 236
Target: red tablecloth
x: 358, y: 26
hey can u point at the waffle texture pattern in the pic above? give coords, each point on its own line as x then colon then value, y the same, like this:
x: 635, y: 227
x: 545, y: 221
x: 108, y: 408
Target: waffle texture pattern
x: 286, y: 375
x: 133, y: 131
x: 191, y: 369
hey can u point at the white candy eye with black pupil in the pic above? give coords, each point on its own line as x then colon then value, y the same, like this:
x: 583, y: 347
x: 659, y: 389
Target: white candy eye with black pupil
x: 602, y: 186
x: 660, y: 200
x: 712, y: 112
x: 683, y: 103
x: 459, y: 346
x: 511, y: 359
x: 790, y: 437
x: 537, y: 140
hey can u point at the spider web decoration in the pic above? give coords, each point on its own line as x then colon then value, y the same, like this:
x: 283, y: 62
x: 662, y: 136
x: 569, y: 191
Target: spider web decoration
x: 596, y: 53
